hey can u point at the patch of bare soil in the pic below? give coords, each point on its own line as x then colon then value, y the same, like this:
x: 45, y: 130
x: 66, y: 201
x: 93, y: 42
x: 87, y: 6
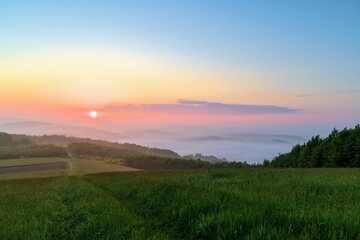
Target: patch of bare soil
x: 33, y: 167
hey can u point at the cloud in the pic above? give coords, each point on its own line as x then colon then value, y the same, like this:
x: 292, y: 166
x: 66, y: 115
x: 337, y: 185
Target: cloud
x: 329, y: 93
x: 303, y: 95
x: 202, y: 108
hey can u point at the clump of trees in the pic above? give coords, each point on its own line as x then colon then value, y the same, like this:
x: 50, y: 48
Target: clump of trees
x: 233, y: 164
x: 155, y: 162
x: 339, y: 149
x: 209, y: 158
x: 23, y: 147
x: 32, y: 151
x: 7, y: 140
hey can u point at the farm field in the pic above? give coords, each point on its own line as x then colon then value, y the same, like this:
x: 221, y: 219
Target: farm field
x: 221, y: 204
x: 33, y: 167
x: 74, y: 166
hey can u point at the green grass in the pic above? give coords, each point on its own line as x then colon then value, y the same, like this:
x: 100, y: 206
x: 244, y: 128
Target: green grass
x: 241, y: 204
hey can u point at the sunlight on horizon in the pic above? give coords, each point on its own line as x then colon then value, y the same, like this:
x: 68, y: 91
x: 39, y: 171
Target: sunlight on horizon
x: 280, y: 67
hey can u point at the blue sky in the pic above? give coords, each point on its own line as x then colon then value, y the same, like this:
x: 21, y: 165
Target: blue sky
x: 256, y: 33
x: 276, y: 49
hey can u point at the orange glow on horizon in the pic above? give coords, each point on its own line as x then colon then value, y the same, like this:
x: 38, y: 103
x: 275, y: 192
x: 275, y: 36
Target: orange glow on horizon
x: 93, y: 114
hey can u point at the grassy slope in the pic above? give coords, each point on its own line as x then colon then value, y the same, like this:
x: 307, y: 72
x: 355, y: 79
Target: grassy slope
x: 75, y: 167
x: 65, y: 208
x: 245, y: 204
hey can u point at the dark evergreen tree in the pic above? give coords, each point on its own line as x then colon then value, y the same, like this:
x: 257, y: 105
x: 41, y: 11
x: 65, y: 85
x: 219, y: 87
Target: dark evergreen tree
x: 339, y: 149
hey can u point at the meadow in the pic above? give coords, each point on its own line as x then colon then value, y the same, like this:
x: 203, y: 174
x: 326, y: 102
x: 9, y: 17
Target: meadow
x: 201, y: 204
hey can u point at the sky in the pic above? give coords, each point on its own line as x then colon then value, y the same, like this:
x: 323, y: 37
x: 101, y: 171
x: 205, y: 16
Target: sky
x: 286, y: 66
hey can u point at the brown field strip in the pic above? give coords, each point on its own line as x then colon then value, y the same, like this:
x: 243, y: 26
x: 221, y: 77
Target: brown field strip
x: 33, y: 167
x: 53, y: 167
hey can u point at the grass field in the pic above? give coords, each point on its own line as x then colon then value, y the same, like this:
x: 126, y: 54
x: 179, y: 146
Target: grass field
x: 74, y: 167
x: 242, y: 204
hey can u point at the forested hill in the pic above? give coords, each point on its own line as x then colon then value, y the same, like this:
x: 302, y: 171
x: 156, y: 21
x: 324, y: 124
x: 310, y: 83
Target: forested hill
x: 64, y: 141
x: 339, y: 149
x: 6, y: 140
x: 24, y: 147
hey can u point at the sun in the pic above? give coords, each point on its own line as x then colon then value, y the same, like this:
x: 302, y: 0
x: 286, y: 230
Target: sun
x: 93, y: 114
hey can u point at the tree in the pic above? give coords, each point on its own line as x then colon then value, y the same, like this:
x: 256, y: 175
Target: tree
x: 339, y: 149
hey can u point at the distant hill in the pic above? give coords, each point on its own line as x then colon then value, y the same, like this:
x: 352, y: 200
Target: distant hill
x: 339, y: 149
x: 45, y: 128
x: 24, y: 146
x: 19, y: 147
x: 64, y: 141
x: 153, y: 134
x: 250, y: 138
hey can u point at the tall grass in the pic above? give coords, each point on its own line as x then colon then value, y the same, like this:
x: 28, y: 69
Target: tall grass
x: 225, y: 204
x: 65, y: 208
x: 247, y: 204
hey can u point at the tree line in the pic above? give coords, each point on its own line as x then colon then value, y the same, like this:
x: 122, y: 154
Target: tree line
x: 132, y: 158
x: 32, y: 151
x: 339, y: 149
x: 23, y: 147
x: 61, y: 140
x: 144, y: 161
x: 6, y: 140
